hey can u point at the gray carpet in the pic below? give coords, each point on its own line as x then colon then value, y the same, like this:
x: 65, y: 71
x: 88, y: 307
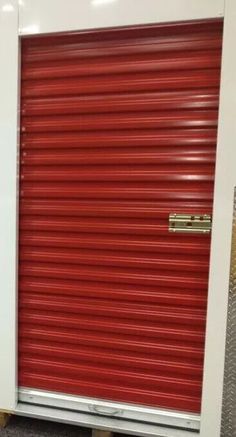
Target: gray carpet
x: 24, y: 427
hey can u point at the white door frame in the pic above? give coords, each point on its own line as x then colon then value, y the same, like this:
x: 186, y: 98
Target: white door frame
x: 29, y: 17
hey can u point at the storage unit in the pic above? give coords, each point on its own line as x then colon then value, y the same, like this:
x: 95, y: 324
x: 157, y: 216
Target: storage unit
x: 117, y: 154
x: 118, y: 130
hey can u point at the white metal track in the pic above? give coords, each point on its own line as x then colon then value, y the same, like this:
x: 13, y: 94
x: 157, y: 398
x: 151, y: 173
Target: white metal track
x: 100, y: 422
x: 110, y: 409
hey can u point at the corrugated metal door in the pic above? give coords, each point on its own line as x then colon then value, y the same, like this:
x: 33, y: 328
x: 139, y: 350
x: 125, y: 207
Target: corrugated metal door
x: 118, y: 130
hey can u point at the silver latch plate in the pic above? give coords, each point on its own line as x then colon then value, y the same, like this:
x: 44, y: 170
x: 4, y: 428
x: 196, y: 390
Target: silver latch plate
x: 189, y: 223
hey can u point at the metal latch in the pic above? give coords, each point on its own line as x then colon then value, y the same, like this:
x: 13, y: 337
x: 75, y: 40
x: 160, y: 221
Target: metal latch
x: 189, y: 223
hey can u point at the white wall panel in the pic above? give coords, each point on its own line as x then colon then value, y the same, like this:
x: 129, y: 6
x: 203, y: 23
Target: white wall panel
x: 8, y: 200
x: 45, y: 16
x: 221, y: 236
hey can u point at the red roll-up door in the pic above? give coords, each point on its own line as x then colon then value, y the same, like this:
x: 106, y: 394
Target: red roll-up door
x: 118, y: 130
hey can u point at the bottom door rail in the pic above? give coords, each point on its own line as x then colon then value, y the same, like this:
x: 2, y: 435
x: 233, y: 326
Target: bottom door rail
x: 119, y: 417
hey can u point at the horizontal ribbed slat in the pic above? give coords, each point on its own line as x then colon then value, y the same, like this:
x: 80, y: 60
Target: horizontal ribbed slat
x: 118, y: 130
x: 124, y: 292
x: 175, y: 80
x: 160, y: 244
x: 106, y: 209
x: 118, y: 103
x: 124, y: 328
x: 170, y: 347
x: 109, y: 258
x: 114, y: 357
x: 161, y: 157
x: 121, y: 121
x: 117, y: 65
x: 72, y: 173
x: 152, y: 39
x: 168, y: 137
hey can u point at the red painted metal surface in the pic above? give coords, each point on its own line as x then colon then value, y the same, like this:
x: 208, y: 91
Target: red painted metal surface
x: 118, y: 130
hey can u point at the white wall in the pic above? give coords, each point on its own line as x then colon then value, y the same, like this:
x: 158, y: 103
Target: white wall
x: 43, y: 16
x: 222, y: 231
x: 8, y: 200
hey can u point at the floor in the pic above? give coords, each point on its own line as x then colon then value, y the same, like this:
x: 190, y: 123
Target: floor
x: 24, y: 427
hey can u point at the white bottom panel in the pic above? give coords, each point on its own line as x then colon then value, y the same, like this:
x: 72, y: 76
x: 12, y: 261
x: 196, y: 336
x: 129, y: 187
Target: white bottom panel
x: 100, y: 422
x: 108, y: 410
